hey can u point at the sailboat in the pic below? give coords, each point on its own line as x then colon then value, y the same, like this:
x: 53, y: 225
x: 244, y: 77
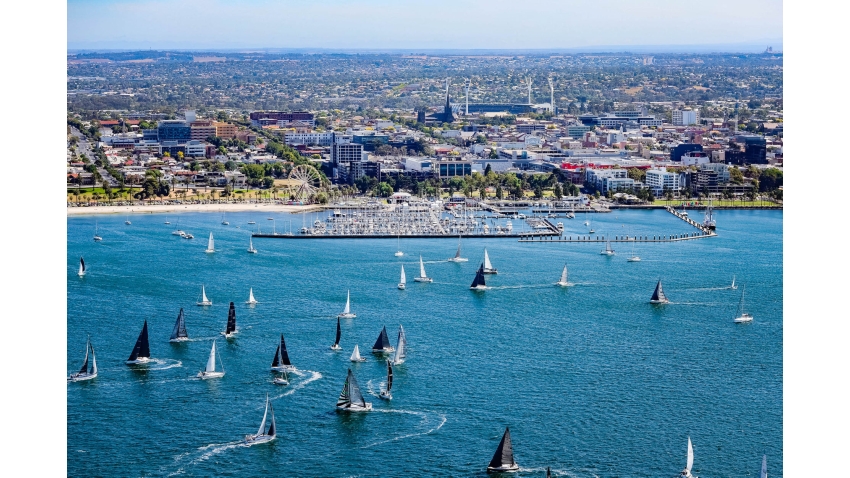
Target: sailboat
x: 96, y: 237
x: 457, y: 257
x: 763, y: 473
x: 401, y: 347
x: 82, y: 271
x: 382, y: 344
x: 742, y: 316
x: 252, y: 221
x: 733, y: 286
x: 127, y: 221
x: 398, y: 252
x: 209, y: 371
x: 355, y: 356
x: 403, y: 281
x: 586, y: 221
x: 658, y: 296
x: 85, y: 372
x: 686, y: 473
x: 263, y: 435
x: 336, y: 346
x: 607, y: 251
x: 178, y: 231
x: 282, y: 379
x: 210, y: 245
x: 503, y: 459
x: 351, y: 400
x: 251, y: 246
x: 387, y: 394
x: 346, y: 313
x: 166, y: 220
x: 179, y: 333
x: 224, y: 221
x: 563, y: 281
x: 281, y: 357
x: 488, y: 267
x: 478, y: 282
x: 422, y: 276
x: 204, y: 300
x: 141, y: 351
x: 251, y: 300
x: 230, y: 329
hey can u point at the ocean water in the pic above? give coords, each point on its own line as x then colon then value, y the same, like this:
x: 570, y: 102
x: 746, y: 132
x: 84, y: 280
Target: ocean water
x: 591, y: 379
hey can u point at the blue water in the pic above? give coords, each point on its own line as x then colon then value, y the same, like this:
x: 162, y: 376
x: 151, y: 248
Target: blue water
x: 591, y: 379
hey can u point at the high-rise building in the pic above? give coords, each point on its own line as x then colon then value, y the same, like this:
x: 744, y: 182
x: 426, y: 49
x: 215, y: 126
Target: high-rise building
x: 225, y: 130
x: 685, y: 117
x: 173, y: 130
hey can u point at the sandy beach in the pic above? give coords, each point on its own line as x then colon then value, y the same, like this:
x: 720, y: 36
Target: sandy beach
x: 175, y: 208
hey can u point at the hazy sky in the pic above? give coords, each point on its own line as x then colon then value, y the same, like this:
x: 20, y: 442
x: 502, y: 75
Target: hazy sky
x: 383, y: 24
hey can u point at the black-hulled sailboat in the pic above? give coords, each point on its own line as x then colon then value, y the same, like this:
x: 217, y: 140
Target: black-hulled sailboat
x: 89, y: 369
x: 382, y: 345
x: 230, y: 330
x: 179, y: 333
x: 388, y: 393
x: 281, y: 361
x: 263, y: 435
x: 336, y: 346
x: 658, y: 296
x: 503, y: 459
x: 478, y: 282
x: 141, y: 351
x: 351, y: 400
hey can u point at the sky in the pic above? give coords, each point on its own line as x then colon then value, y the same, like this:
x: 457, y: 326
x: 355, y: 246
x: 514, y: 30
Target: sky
x: 719, y: 25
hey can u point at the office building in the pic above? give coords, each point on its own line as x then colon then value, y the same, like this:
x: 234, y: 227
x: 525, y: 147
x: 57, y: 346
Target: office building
x: 265, y: 118
x: 173, y: 130
x: 225, y: 130
x: 661, y: 180
x: 677, y: 152
x: 685, y: 117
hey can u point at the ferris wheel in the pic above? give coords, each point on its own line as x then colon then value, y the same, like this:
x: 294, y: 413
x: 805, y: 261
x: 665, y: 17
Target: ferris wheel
x: 304, y: 181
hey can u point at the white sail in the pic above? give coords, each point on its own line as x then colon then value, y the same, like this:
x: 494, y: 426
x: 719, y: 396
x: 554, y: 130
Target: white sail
x: 263, y: 423
x: 403, y: 278
x: 211, y: 360
x: 93, y: 360
x: 82, y: 271
x: 487, y: 264
x: 400, y: 347
x: 211, y: 244
x: 204, y: 295
x: 355, y: 356
x: 763, y: 473
x: 251, y: 245
x: 422, y: 268
x: 347, y: 309
x: 690, y: 456
x: 457, y: 255
x: 564, y: 275
x: 251, y: 299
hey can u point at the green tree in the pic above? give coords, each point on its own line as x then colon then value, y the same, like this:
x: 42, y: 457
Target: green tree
x: 499, y: 193
x: 557, y: 191
x: 736, y: 176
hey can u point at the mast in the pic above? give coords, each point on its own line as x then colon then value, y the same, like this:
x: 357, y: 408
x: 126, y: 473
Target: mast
x: 179, y: 327
x: 284, y: 357
x: 504, y: 455
x: 338, y: 332
x: 231, y: 320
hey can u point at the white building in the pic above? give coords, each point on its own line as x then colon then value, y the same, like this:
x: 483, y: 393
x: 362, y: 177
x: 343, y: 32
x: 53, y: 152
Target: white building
x: 692, y: 158
x: 660, y: 179
x: 685, y: 117
x: 196, y: 149
x: 311, y: 138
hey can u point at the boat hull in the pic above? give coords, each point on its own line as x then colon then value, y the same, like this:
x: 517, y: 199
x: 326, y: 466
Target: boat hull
x: 398, y: 254
x: 346, y: 316
x: 251, y: 302
x: 252, y: 251
x: 179, y: 339
x: 561, y: 284
x: 283, y: 368
x: 361, y: 359
x: 607, y: 253
x: 423, y: 279
x: 491, y: 271
x: 204, y: 303
x: 280, y: 381
x: 81, y: 377
x: 659, y: 302
x: 503, y: 469
x: 744, y: 318
x: 478, y: 287
x: 206, y: 375
x: 256, y: 439
x: 209, y: 251
x: 356, y: 408
x: 634, y: 259
x: 336, y: 347
x: 401, y: 287
x: 386, y: 395
x: 230, y: 335
x: 138, y: 361
x: 385, y: 350
x: 458, y: 259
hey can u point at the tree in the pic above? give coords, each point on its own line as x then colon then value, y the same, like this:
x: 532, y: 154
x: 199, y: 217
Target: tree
x: 770, y: 179
x: 166, y: 154
x: 494, y: 154
x: 736, y: 176
x: 637, y: 174
x: 385, y: 190
x: 557, y: 191
x: 482, y: 193
x: 180, y: 155
x: 487, y: 169
x: 499, y: 193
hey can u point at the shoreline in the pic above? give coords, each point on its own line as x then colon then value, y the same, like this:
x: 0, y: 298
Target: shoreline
x: 177, y: 208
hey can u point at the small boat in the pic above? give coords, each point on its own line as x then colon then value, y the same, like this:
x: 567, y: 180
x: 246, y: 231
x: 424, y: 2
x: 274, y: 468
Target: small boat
x: 355, y: 356
x: 86, y: 372
x: 607, y: 251
x: 251, y: 300
x: 224, y: 221
x: 351, y: 400
x: 686, y: 473
x: 263, y: 435
x: 141, y: 351
x: 187, y: 236
x: 281, y: 357
x: 346, y: 313
x: 683, y: 213
x: 488, y: 267
x: 82, y: 270
x: 252, y: 222
x: 336, y: 346
x: 733, y: 286
x: 763, y: 473
x: 398, y: 252
x: 204, y: 300
x: 478, y: 282
x: 401, y: 347
x: 281, y: 379
x: 127, y: 221
x: 658, y: 296
x: 563, y: 281
x: 503, y: 459
x: 210, y: 245
x: 230, y: 329
x: 96, y: 237
x: 591, y: 231
x: 709, y: 222
x: 382, y: 344
x: 167, y: 221
x: 251, y: 248
x: 403, y: 281
x: 422, y: 276
x: 742, y: 316
x: 209, y: 371
x: 457, y: 257
x: 548, y: 472
x: 179, y: 333
x: 387, y: 394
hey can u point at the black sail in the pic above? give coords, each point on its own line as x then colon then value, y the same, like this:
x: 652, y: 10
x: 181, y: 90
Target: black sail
x: 276, y: 360
x: 389, y: 375
x: 344, y: 399
x: 354, y: 390
x: 142, y: 348
x: 479, y: 277
x: 179, y: 327
x: 284, y: 357
x: 504, y: 453
x: 83, y: 263
x: 231, y: 319
x: 85, y: 367
x: 383, y: 341
x: 338, y: 332
x: 272, y: 430
x: 548, y: 472
x: 659, y: 293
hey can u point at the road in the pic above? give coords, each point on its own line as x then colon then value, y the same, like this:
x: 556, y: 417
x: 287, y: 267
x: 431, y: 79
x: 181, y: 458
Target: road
x: 84, y: 148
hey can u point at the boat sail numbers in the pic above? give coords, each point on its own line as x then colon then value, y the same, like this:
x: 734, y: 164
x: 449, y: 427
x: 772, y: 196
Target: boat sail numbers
x: 478, y: 282
x: 203, y: 300
x: 89, y: 369
x: 382, y: 345
x: 263, y: 435
x: 457, y: 257
x: 336, y: 346
x: 503, y: 459
x: 210, y: 245
x: 563, y: 281
x: 658, y: 296
x: 346, y: 313
x: 488, y: 267
x: 179, y: 333
x: 209, y: 371
x: 141, y: 351
x: 403, y: 281
x: 281, y: 361
x: 230, y: 329
x: 422, y: 276
x: 350, y: 399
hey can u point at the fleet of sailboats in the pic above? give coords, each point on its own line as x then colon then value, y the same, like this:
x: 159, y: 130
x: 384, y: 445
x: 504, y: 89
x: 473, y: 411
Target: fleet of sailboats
x: 210, y: 244
x: 209, y: 371
x: 563, y: 280
x: 742, y: 316
x: 488, y: 267
x: 422, y: 276
x: 686, y: 473
x: 263, y: 435
x: 281, y: 361
x: 179, y: 333
x: 350, y: 399
x: 478, y: 282
x: 230, y: 329
x: 203, y: 300
x: 346, y: 313
x: 503, y: 460
x: 457, y: 257
x: 336, y: 346
x: 82, y: 271
x: 89, y: 369
x: 402, y: 283
x: 251, y: 300
x: 251, y: 248
x: 382, y: 344
x: 658, y: 296
x: 387, y: 393
x: 141, y: 351
x: 355, y: 355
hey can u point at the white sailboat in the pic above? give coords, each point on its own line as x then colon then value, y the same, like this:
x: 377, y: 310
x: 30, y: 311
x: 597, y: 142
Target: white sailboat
x: 210, y: 244
x: 167, y: 221
x: 398, y: 252
x: 422, y: 276
x: 634, y: 257
x: 350, y: 399
x: 346, y: 313
x: 209, y: 371
x: 742, y: 316
x: 503, y: 460
x: 251, y: 300
x: 401, y: 347
x: 281, y: 379
x: 402, y: 283
x: 387, y: 393
x: 204, y: 300
x: 457, y: 257
x: 763, y: 473
x: 686, y: 473
x: 563, y: 281
x: 488, y: 267
x: 127, y: 221
x: 263, y: 435
x: 96, y: 236
x: 251, y: 246
x: 82, y: 271
x: 86, y: 372
x: 733, y: 286
x: 224, y: 221
x: 355, y: 356
x: 607, y: 251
